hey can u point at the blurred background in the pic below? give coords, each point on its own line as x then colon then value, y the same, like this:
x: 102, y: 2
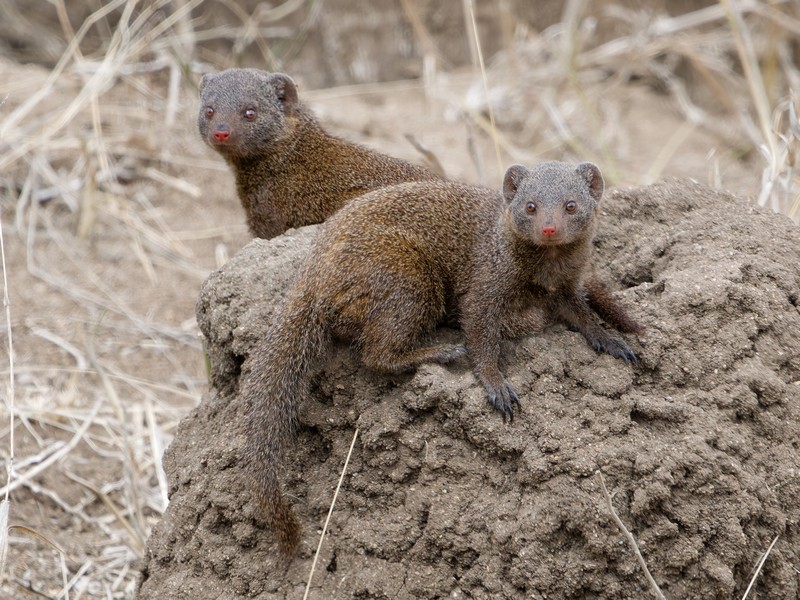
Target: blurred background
x: 113, y: 211
x: 601, y: 79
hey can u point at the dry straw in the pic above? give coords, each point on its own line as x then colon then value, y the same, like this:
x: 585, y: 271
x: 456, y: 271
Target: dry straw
x: 101, y: 403
x: 328, y: 517
x: 564, y: 93
x: 10, y: 405
x: 631, y: 540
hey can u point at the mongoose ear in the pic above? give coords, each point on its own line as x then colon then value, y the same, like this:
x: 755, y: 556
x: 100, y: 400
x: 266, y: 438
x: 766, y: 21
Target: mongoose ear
x: 285, y: 88
x: 591, y: 174
x: 511, y: 181
x: 205, y: 80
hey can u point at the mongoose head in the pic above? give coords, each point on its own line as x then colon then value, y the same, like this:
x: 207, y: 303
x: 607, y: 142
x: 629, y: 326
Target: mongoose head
x: 246, y: 112
x: 553, y: 203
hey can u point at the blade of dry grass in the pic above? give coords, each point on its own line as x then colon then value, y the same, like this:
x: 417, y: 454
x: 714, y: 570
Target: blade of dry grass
x: 477, y: 44
x: 760, y: 564
x: 64, y: 572
x: 66, y: 346
x: 35, y: 534
x: 330, y: 512
x: 10, y: 404
x: 10, y: 388
x: 4, y: 505
x: 412, y: 12
x: 157, y: 451
x: 430, y: 158
x: 755, y: 81
x: 57, y: 455
x: 472, y: 151
x: 135, y: 535
x: 68, y: 585
x: 631, y: 540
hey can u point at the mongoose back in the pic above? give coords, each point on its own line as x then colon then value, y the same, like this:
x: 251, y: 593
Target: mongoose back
x: 289, y: 171
x: 387, y: 267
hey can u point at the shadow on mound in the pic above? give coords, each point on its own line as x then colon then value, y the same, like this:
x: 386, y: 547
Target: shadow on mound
x: 699, y: 444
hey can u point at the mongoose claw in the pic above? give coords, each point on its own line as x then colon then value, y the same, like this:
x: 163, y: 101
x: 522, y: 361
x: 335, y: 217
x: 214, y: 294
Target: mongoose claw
x: 625, y: 354
x: 503, y: 398
x: 631, y: 356
x: 617, y: 349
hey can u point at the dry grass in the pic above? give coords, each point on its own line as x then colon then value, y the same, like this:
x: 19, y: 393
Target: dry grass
x: 105, y: 409
x: 328, y: 517
x: 560, y: 90
x: 656, y: 591
x: 104, y: 378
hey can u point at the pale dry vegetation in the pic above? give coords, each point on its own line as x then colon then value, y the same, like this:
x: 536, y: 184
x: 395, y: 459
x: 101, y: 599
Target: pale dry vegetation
x: 101, y: 273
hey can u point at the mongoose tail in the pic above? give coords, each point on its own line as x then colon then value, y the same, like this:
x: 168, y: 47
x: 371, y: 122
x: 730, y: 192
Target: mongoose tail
x: 280, y: 369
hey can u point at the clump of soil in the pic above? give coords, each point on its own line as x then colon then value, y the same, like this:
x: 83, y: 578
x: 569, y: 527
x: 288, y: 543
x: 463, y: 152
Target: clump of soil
x: 699, y: 444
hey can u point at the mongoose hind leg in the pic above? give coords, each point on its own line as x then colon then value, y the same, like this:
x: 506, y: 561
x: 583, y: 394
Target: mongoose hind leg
x: 397, y: 350
x: 391, y: 339
x: 395, y: 360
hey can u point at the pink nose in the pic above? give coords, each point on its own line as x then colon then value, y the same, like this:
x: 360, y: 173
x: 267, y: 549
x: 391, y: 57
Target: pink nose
x: 549, y: 230
x: 222, y: 134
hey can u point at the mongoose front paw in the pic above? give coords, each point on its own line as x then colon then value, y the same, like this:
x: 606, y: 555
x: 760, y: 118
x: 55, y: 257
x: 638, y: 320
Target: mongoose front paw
x: 503, y: 398
x: 616, y: 348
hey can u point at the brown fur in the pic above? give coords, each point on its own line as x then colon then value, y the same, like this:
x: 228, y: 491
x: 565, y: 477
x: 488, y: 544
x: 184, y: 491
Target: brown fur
x: 388, y: 266
x: 289, y: 171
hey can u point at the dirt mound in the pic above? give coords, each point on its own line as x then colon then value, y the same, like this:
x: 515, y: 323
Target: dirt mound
x: 699, y: 444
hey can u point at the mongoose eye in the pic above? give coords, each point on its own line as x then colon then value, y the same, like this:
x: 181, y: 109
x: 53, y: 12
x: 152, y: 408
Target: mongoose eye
x: 571, y: 206
x: 209, y: 112
x: 250, y: 114
x: 530, y: 208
